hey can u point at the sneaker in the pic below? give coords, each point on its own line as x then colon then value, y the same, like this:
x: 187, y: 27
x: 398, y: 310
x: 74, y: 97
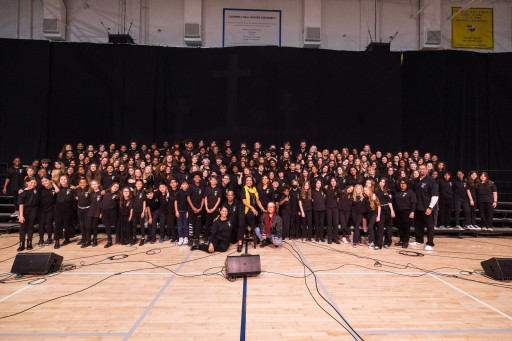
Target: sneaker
x: 376, y: 248
x: 448, y: 228
x: 386, y: 246
x: 400, y: 243
x: 180, y: 241
x: 15, y: 214
x: 354, y: 245
x: 416, y: 244
x: 313, y: 240
x: 460, y: 228
x: 437, y: 228
x: 166, y: 238
x: 161, y: 240
x: 336, y: 241
x: 185, y: 241
x: 304, y: 240
x: 371, y: 246
x: 429, y: 248
x: 484, y: 228
x: 345, y: 241
x: 476, y: 227
x: 468, y: 227
x: 489, y: 229
x: 360, y: 244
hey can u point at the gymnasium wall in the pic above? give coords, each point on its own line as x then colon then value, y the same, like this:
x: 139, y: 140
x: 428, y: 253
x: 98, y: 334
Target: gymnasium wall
x: 345, y: 24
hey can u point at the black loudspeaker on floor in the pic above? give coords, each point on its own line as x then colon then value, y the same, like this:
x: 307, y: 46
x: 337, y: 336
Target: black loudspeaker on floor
x: 36, y: 263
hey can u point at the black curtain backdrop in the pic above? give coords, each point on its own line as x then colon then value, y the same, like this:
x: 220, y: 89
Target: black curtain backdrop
x: 454, y: 104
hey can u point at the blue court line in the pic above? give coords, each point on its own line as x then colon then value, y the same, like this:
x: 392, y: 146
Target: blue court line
x: 349, y: 328
x: 141, y: 317
x: 244, y: 305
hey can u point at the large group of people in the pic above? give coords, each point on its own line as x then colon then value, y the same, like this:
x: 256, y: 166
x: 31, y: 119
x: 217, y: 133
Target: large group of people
x: 208, y: 196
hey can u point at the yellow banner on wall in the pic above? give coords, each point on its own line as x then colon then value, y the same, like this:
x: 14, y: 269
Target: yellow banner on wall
x: 473, y: 28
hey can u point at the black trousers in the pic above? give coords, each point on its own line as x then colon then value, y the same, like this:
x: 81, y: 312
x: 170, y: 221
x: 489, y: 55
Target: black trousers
x: 294, y: 225
x: 372, y: 227
x: 445, y: 211
x: 210, y: 217
x: 404, y: 225
x: 171, y: 225
x: 194, y: 224
x: 82, y: 219
x: 63, y: 216
x: 286, y: 225
x: 27, y: 228
x: 319, y: 224
x: 332, y: 224
x: 137, y: 220
x: 307, y: 225
x: 45, y: 223
x: 344, y: 218
x: 472, y: 214
x: 218, y: 246
x: 357, y: 218
x: 486, y: 213
x: 109, y: 218
x: 422, y: 221
x: 163, y: 219
x: 458, y: 204
x: 92, y: 228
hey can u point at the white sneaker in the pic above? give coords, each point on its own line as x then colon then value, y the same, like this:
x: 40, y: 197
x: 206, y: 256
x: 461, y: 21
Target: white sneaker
x: 484, y: 228
x: 345, y: 241
x: 429, y: 248
x: 416, y: 244
x: 460, y: 228
x: 180, y: 241
x: 437, y: 228
x: 304, y: 240
x: 185, y: 240
x: 313, y: 240
x: 468, y: 227
x: 371, y: 246
x: 489, y: 229
x: 476, y: 227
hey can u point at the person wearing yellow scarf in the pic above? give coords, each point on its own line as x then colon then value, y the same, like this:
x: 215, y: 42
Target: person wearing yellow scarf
x: 250, y: 199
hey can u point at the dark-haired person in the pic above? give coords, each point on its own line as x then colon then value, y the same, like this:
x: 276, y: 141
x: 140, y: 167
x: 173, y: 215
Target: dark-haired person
x: 181, y: 211
x: 195, y: 209
x: 358, y: 209
x: 306, y: 212
x: 235, y: 215
x: 94, y: 214
x: 318, y: 199
x: 83, y: 203
x: 387, y: 212
x: 220, y: 234
x: 373, y: 209
x: 250, y: 199
x: 487, y: 200
x: 331, y: 211
x: 405, y: 202
x: 15, y: 176
x: 461, y: 199
x: 212, y: 196
x: 139, y: 207
x: 345, y: 208
x: 285, y: 211
x: 472, y: 181
x: 171, y: 217
x: 427, y: 195
x: 163, y: 197
x: 28, y: 201
x: 108, y: 210
x: 109, y: 177
x: 45, y: 209
x: 354, y: 178
x: 124, y: 226
x: 445, y: 200
x: 152, y: 211
x: 295, y: 210
x: 63, y: 212
x: 271, y: 227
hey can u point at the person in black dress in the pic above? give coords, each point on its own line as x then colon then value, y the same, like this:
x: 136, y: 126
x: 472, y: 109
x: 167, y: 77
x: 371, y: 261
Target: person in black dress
x: 28, y: 201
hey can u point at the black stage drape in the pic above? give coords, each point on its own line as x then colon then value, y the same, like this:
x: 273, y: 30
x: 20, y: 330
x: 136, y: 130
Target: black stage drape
x: 454, y: 104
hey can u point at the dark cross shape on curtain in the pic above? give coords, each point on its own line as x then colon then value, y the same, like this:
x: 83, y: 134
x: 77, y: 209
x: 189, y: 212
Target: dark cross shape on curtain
x: 232, y: 74
x: 180, y: 110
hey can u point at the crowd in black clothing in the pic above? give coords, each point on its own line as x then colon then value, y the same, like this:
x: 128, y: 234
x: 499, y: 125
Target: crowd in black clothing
x: 178, y: 192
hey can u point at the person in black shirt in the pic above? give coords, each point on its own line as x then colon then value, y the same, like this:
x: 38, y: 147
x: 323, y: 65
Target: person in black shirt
x: 345, y: 208
x: 405, y: 202
x: 28, y: 201
x: 487, y: 200
x: 124, y: 225
x: 358, y: 209
x: 181, y: 210
x: 306, y: 212
x: 63, y: 213
x: 220, y: 234
x: 265, y: 191
x: 427, y: 194
x: 460, y: 199
x: 45, y: 209
x: 472, y: 181
x: 235, y: 215
x: 250, y: 199
x: 108, y: 178
x: 385, y: 222
x: 162, y: 214
x: 93, y: 215
x: 108, y: 209
x: 295, y: 210
x: 139, y: 207
x: 373, y: 209
x: 15, y: 176
x: 318, y: 199
x: 152, y: 211
x: 331, y: 211
x: 83, y: 203
x: 285, y: 211
x: 445, y: 200
x: 212, y: 195
x: 195, y: 209
x: 171, y: 217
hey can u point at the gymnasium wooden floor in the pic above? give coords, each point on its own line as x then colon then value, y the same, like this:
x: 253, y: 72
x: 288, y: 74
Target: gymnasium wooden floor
x: 382, y: 294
